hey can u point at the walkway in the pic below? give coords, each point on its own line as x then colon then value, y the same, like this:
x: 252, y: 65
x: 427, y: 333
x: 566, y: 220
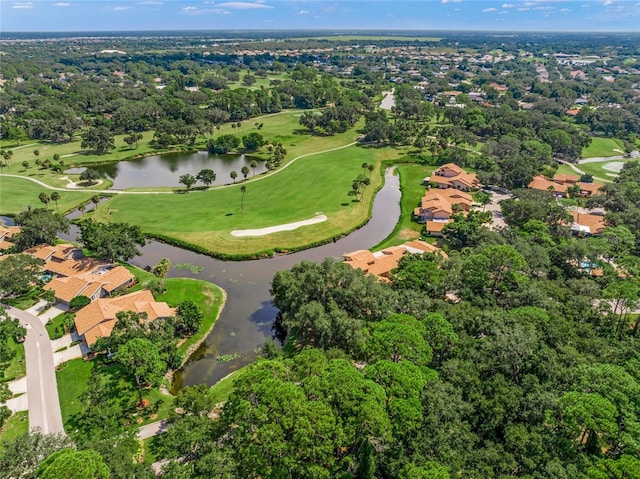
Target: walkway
x: 43, y: 401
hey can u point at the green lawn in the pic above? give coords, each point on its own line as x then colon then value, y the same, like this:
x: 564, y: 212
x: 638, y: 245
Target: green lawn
x: 207, y: 296
x: 17, y: 193
x: 598, y: 169
x: 312, y: 185
x: 16, y: 367
x: 413, y: 190
x: 72, y: 380
x: 73, y: 377
x: 603, y: 147
x: 221, y: 390
x: 55, y: 327
x: 15, y: 426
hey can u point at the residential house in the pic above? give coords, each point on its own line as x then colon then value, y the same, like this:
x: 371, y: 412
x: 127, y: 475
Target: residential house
x: 561, y: 183
x: 437, y: 206
x: 97, y: 320
x: 73, y: 275
x: 381, y: 263
x: 95, y: 284
x: 585, y: 224
x: 6, y: 233
x: 452, y: 176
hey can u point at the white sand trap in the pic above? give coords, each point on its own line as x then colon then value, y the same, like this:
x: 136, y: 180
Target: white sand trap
x: 276, y: 229
x: 615, y: 166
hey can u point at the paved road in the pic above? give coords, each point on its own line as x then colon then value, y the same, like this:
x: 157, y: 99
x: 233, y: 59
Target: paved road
x: 44, y: 404
x: 152, y: 429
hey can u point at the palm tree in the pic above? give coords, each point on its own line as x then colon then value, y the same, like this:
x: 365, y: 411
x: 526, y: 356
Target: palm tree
x: 25, y: 164
x: 254, y: 165
x: 245, y: 171
x: 364, y: 166
x: 161, y: 270
x: 243, y: 188
x: 234, y: 175
x: 55, y: 196
x: 370, y: 167
x: 81, y: 208
x: 36, y: 153
x: 44, y: 198
x: 95, y: 199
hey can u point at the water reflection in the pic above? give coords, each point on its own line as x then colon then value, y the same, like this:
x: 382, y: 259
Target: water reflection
x: 166, y: 169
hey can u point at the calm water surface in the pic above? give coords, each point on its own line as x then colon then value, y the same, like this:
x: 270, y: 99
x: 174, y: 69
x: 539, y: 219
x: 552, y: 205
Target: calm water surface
x: 247, y: 317
x: 166, y: 169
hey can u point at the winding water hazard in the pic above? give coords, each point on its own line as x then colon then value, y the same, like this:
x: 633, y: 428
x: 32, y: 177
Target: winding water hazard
x: 248, y: 315
x: 246, y: 320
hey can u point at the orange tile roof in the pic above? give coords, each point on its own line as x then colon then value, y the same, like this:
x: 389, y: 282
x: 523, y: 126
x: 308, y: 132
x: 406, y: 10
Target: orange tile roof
x: 595, y: 223
x: 66, y: 288
x: 94, y: 320
x: 114, y: 278
x: 566, y: 178
x: 46, y: 252
x: 424, y: 247
x: 590, y: 187
x: 436, y: 226
x: 8, y: 231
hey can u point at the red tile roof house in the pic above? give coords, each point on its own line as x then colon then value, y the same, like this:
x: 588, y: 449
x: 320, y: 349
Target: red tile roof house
x: 6, y: 233
x: 585, y: 224
x: 97, y: 320
x: 452, y: 176
x: 438, y: 205
x: 561, y: 183
x: 382, y: 262
x: 74, y: 275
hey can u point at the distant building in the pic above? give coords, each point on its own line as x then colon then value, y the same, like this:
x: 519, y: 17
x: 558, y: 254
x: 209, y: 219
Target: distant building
x: 561, y: 183
x: 381, y: 263
x: 452, y: 176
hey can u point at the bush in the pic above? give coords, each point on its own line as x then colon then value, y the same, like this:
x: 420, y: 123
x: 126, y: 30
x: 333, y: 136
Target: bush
x: 79, y: 302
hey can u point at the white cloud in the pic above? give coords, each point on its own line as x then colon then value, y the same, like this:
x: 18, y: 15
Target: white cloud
x: 452, y: 1
x: 243, y: 5
x: 606, y: 3
x: 303, y: 12
x: 508, y: 5
x: 489, y: 10
x: 23, y: 5
x: 121, y: 9
x: 191, y: 10
x: 151, y: 2
x: 61, y: 4
x: 565, y: 10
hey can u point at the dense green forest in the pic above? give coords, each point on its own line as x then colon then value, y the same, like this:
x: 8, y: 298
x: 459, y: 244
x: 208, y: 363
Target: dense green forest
x: 510, y: 358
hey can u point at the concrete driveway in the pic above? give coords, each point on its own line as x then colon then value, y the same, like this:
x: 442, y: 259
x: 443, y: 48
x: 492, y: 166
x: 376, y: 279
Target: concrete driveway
x: 497, y: 221
x: 55, y: 310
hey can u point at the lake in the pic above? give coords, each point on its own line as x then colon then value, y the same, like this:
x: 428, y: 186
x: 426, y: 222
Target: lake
x: 166, y: 169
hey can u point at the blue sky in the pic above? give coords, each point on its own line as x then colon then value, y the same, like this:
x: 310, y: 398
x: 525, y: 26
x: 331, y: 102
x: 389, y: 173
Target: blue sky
x: 509, y: 15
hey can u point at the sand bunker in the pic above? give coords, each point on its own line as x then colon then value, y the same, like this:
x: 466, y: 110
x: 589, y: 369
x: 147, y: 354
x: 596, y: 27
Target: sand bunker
x: 276, y: 229
x: 615, y: 166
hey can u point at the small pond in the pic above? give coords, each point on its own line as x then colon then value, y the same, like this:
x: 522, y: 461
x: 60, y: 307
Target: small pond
x: 166, y: 169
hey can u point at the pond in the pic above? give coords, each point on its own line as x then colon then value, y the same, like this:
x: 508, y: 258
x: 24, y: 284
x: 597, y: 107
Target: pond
x: 166, y: 169
x: 246, y: 320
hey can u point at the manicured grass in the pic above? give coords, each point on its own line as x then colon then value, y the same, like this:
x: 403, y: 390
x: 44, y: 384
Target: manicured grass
x: 72, y: 380
x: 221, y: 391
x: 55, y: 327
x: 413, y: 190
x: 73, y: 377
x: 15, y: 426
x: 16, y: 367
x: 16, y: 194
x: 312, y: 185
x: 603, y: 147
x: 208, y: 298
x: 598, y: 169
x: 143, y: 278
